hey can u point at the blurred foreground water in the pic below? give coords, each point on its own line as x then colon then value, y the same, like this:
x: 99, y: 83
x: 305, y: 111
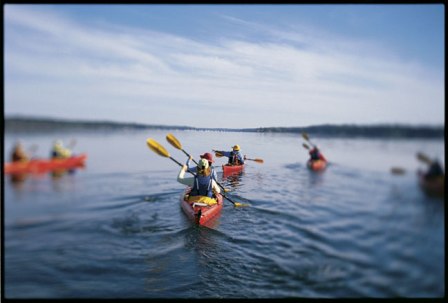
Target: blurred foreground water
x: 115, y: 229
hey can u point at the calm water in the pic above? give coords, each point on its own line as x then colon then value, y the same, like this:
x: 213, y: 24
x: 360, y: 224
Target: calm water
x: 116, y: 230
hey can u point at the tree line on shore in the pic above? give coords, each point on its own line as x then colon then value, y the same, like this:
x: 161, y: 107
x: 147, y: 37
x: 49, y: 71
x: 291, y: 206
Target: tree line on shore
x: 39, y: 125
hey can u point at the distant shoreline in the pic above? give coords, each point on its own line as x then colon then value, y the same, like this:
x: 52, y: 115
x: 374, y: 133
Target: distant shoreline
x: 18, y: 125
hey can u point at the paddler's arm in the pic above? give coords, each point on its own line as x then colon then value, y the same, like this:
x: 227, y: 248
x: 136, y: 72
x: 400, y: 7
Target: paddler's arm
x: 224, y: 153
x: 192, y: 169
x: 215, y: 187
x: 181, y: 179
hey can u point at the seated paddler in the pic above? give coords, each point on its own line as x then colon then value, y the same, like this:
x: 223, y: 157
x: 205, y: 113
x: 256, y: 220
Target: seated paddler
x: 315, y: 154
x: 209, y: 158
x: 19, y: 154
x: 235, y: 156
x: 59, y: 151
x: 203, y: 186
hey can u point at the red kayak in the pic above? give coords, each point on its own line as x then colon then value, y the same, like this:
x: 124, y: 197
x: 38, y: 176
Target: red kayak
x: 316, y: 165
x: 200, y: 213
x: 230, y: 169
x: 44, y: 165
x: 434, y: 187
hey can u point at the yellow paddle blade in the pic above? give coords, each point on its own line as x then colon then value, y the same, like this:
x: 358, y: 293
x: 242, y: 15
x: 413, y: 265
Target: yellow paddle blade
x: 219, y: 155
x: 306, y: 146
x: 173, y: 141
x: 237, y: 204
x: 424, y: 158
x: 157, y: 148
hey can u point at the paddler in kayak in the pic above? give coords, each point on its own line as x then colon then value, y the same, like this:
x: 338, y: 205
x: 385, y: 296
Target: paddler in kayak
x: 434, y: 171
x: 59, y: 151
x: 315, y: 154
x: 18, y: 153
x: 202, y: 184
x: 235, y: 157
x: 209, y: 158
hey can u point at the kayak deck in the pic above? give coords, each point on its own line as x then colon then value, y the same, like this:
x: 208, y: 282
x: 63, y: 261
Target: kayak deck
x: 200, y: 213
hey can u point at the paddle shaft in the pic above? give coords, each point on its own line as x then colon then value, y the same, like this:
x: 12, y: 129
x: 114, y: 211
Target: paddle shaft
x: 256, y: 160
x: 305, y: 136
x: 189, y: 156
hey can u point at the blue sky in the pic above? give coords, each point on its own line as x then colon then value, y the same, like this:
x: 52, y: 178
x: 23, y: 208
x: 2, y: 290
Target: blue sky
x: 227, y: 65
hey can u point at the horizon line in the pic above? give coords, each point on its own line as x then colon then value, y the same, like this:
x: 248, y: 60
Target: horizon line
x: 80, y: 120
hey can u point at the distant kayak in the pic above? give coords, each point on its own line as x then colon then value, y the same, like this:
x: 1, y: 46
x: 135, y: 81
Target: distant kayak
x: 434, y: 187
x: 44, y: 165
x: 200, y: 213
x: 229, y: 169
x: 316, y: 165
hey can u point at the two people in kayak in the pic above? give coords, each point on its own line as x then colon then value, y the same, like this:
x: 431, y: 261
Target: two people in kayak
x: 203, y: 183
x: 235, y: 157
x: 58, y: 151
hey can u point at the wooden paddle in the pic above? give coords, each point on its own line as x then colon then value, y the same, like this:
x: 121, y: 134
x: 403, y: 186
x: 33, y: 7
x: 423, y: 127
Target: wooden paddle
x: 256, y: 160
x: 305, y: 136
x: 397, y: 170
x: 161, y: 151
x: 424, y: 158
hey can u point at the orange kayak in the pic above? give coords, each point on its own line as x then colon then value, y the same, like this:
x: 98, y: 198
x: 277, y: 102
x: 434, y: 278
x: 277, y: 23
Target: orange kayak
x: 200, y: 213
x: 316, y: 165
x: 44, y: 165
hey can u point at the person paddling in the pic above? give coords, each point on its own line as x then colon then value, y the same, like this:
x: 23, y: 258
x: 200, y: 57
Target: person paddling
x: 235, y: 157
x: 434, y: 171
x: 315, y: 154
x: 202, y: 184
x: 18, y: 153
x: 209, y: 158
x: 59, y: 151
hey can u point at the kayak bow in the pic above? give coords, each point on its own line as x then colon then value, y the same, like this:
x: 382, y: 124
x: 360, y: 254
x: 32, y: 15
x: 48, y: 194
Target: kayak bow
x: 316, y: 165
x: 200, y: 213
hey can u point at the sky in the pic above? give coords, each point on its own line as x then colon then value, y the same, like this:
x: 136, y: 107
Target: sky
x: 227, y: 66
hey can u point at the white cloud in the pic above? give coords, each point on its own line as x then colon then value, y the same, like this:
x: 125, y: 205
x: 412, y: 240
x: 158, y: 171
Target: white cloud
x: 295, y: 78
